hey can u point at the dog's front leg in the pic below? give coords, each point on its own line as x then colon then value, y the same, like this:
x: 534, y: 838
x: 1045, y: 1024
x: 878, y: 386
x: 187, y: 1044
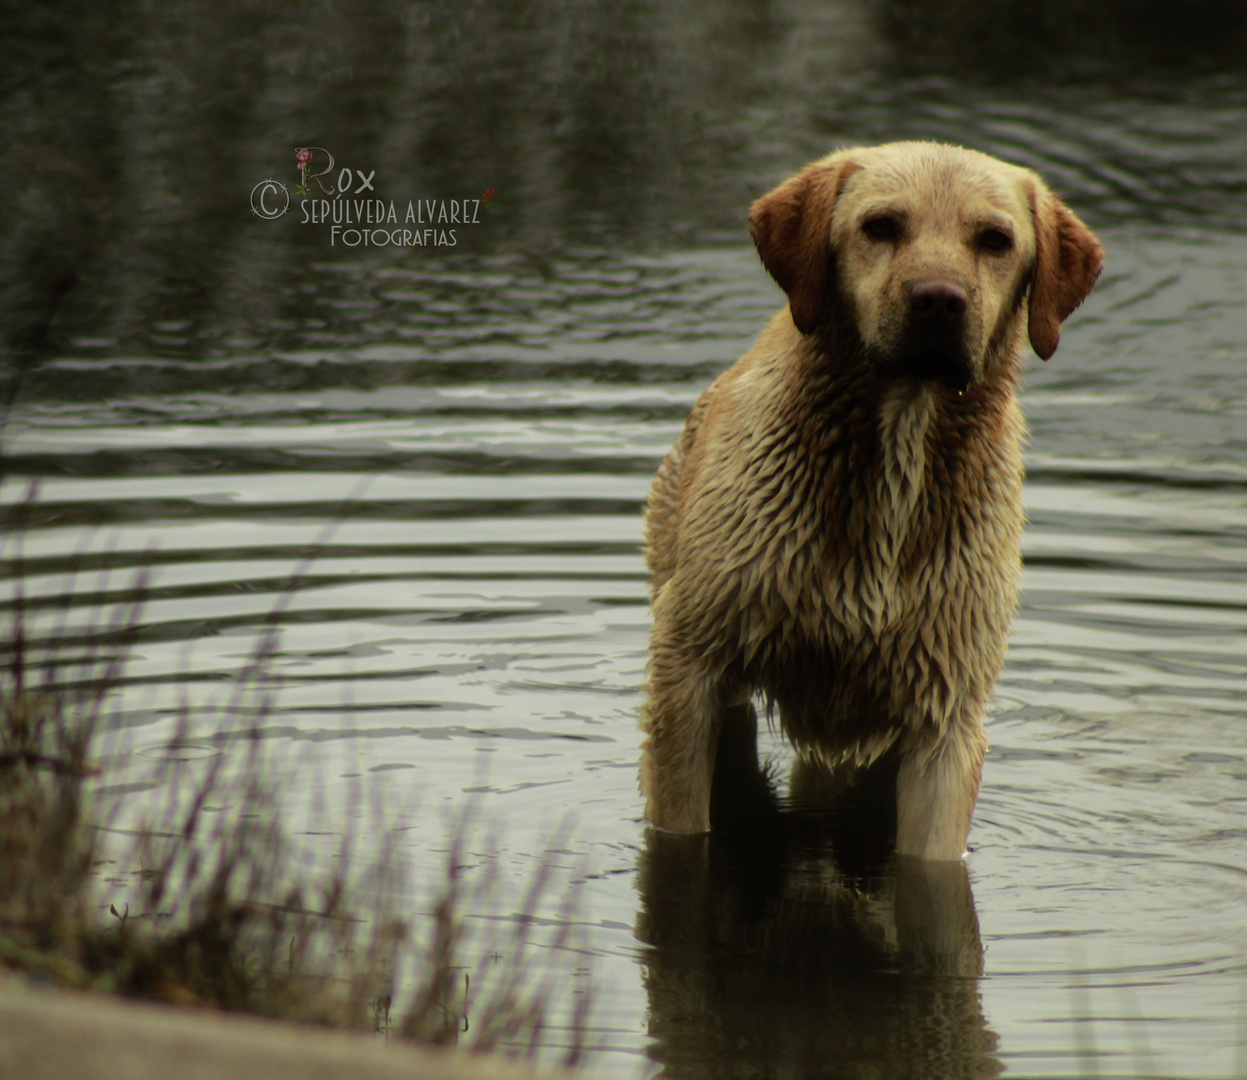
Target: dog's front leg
x: 936, y: 788
x: 682, y: 717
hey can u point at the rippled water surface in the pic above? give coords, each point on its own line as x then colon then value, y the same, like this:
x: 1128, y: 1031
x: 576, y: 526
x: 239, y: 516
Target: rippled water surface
x: 430, y: 464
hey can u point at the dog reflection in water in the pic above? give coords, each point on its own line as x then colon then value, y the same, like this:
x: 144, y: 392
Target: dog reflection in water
x: 791, y: 942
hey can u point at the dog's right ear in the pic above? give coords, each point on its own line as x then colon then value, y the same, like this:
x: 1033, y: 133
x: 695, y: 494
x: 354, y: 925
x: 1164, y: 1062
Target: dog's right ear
x: 791, y: 228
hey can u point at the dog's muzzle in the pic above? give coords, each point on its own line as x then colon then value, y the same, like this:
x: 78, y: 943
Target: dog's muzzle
x: 933, y: 346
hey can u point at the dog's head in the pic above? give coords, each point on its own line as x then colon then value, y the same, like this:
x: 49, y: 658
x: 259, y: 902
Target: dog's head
x: 930, y: 251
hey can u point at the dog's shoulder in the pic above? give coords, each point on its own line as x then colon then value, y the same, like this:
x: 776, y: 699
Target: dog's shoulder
x: 708, y: 464
x: 754, y: 392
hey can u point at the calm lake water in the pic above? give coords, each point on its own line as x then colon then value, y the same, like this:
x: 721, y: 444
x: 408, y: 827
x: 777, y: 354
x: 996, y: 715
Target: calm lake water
x: 463, y: 437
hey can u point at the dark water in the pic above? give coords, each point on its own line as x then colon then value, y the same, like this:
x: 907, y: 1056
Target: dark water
x: 466, y: 434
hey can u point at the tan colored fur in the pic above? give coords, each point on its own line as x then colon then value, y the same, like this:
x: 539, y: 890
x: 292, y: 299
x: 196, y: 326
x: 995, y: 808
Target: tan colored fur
x: 841, y: 538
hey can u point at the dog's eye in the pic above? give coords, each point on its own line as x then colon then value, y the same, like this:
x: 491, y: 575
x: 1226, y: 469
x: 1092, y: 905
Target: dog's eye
x: 995, y: 241
x: 881, y: 228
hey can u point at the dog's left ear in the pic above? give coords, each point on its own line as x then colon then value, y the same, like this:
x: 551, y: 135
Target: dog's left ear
x: 1068, y: 259
x: 791, y: 228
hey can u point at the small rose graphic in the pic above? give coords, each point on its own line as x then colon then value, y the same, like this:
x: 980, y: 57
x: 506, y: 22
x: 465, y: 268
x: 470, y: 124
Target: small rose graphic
x: 303, y: 155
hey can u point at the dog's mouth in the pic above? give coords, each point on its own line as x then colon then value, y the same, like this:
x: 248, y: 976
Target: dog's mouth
x: 931, y: 363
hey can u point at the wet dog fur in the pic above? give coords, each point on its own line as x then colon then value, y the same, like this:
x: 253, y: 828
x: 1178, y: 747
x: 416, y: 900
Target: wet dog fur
x: 837, y: 529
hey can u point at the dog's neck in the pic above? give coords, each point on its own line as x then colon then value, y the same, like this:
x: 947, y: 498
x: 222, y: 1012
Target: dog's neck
x: 907, y: 411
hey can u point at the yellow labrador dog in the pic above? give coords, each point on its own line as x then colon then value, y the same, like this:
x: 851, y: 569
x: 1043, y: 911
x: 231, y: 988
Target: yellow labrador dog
x: 837, y: 530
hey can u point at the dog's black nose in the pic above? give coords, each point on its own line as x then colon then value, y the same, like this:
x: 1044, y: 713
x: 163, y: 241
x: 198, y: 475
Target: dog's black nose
x: 936, y: 301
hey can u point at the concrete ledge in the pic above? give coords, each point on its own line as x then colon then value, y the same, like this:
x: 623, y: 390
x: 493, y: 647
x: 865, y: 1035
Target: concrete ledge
x: 62, y: 1035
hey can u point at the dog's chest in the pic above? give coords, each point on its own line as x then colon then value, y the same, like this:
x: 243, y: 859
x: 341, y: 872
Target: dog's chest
x: 871, y: 589
x: 875, y: 527
x: 905, y: 420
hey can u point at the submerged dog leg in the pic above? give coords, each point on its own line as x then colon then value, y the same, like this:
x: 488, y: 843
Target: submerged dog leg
x: 937, y: 927
x: 683, y: 717
x: 936, y: 789
x: 741, y: 791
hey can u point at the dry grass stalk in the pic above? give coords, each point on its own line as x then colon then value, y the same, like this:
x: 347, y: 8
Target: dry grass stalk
x: 213, y: 915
